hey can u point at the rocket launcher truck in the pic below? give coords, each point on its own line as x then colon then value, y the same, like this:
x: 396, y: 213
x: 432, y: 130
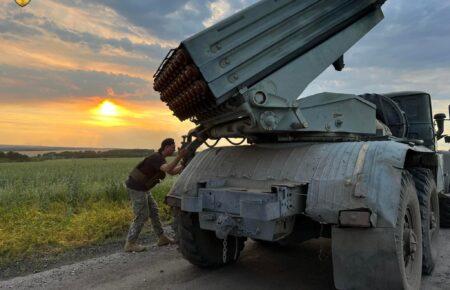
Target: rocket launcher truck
x: 362, y: 170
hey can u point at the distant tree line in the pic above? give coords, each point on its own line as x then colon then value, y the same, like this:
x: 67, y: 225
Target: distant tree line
x: 13, y: 156
x: 114, y: 153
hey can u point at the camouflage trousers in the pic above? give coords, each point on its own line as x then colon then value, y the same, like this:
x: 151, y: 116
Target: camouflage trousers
x: 144, y: 206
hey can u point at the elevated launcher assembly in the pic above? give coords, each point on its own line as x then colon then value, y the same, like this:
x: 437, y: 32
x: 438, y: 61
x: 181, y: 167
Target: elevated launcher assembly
x: 242, y: 77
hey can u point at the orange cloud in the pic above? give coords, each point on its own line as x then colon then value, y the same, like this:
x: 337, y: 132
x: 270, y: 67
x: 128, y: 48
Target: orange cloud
x: 63, y: 56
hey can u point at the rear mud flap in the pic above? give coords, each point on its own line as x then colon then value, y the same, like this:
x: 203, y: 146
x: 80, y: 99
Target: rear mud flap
x: 365, y: 259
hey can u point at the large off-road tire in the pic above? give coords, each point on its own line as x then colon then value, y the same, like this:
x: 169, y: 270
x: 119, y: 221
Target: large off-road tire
x: 429, y: 212
x: 444, y: 207
x: 408, y: 235
x: 202, y: 248
x: 382, y: 258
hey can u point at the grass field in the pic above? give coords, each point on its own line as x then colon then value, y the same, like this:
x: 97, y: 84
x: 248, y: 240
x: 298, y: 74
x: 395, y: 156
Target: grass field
x: 52, y: 206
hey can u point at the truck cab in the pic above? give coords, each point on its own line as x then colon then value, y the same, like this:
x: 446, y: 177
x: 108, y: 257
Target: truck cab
x: 418, y: 110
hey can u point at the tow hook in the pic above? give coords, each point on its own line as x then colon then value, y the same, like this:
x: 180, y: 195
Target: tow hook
x: 224, y: 225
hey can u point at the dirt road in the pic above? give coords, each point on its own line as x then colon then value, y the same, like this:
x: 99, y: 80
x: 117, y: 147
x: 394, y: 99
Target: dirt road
x: 307, y: 266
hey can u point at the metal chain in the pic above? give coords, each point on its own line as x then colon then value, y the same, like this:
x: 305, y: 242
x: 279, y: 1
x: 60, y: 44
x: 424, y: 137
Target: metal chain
x: 213, y: 145
x: 224, y: 250
x: 235, y: 143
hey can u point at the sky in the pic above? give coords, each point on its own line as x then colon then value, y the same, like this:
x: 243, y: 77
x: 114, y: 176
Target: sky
x: 79, y: 73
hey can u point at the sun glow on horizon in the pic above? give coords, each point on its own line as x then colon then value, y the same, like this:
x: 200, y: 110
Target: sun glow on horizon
x: 108, y: 108
x: 109, y: 114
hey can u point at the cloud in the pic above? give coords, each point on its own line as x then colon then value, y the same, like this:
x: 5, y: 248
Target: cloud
x: 219, y: 9
x: 29, y: 25
x: 164, y: 19
x: 383, y: 80
x: 413, y: 35
x: 96, y: 43
x: 20, y: 84
x: 17, y: 28
x: 407, y: 51
x: 175, y: 19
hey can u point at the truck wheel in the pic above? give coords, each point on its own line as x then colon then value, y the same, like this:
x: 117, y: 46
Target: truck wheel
x: 429, y: 212
x: 382, y: 258
x: 408, y: 235
x: 444, y: 207
x: 202, y: 248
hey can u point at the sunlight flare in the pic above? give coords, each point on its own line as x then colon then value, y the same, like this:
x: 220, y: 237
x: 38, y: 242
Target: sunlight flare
x: 109, y: 114
x: 108, y: 108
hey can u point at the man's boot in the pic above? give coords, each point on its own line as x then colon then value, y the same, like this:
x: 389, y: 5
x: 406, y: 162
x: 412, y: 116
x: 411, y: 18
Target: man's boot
x: 165, y: 240
x: 133, y: 247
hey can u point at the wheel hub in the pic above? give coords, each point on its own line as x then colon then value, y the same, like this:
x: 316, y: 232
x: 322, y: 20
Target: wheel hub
x: 409, y: 240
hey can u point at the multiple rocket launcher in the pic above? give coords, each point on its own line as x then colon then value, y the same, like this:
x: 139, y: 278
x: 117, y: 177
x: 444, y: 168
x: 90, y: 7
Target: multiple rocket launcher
x: 183, y: 88
x: 210, y: 69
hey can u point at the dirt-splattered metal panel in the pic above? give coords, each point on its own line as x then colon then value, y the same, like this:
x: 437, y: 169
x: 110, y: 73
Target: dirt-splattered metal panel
x: 340, y: 176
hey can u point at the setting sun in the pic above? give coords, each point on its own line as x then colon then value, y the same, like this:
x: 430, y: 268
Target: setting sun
x: 108, y: 114
x: 108, y: 108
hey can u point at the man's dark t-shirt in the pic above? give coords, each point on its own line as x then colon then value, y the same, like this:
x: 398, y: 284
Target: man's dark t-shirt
x: 150, y: 166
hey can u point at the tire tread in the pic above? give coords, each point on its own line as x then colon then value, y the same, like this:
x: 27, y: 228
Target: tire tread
x: 426, y: 193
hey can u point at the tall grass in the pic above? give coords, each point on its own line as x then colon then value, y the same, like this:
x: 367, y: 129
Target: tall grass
x: 55, y: 205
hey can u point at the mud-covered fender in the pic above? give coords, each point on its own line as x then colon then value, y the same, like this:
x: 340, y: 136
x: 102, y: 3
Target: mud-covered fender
x: 370, y: 179
x: 340, y: 176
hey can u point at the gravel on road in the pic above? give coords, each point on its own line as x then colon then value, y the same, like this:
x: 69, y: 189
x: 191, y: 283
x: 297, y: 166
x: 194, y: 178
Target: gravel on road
x: 306, y: 266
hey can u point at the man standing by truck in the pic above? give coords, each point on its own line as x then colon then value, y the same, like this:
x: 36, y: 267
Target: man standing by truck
x: 142, y: 178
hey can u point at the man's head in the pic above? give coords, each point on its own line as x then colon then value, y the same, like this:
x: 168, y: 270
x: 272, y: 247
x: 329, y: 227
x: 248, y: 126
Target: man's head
x: 167, y: 147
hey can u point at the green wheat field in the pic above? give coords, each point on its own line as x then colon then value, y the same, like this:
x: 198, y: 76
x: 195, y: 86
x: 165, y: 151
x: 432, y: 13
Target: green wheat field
x: 51, y: 206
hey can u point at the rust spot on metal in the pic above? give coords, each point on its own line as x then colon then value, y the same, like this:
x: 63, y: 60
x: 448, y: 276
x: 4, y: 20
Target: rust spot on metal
x: 357, y: 172
x: 361, y: 158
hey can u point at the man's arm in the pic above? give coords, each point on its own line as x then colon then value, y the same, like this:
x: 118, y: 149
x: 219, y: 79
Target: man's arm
x: 177, y: 169
x: 172, y: 168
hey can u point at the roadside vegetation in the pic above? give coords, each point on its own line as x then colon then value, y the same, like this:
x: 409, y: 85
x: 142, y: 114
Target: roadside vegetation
x: 55, y: 205
x: 11, y: 156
